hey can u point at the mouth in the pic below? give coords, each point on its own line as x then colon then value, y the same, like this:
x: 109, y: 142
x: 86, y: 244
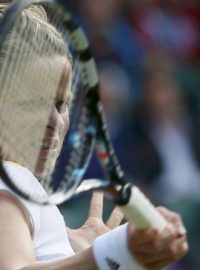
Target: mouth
x: 49, y: 144
x: 48, y: 147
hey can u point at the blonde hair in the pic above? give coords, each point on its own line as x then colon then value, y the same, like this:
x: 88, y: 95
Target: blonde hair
x: 32, y: 24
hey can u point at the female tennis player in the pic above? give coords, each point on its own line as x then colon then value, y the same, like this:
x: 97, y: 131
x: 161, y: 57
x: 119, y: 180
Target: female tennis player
x: 33, y: 237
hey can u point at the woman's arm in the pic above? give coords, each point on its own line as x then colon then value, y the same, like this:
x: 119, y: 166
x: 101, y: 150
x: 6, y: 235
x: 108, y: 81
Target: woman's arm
x: 17, y: 251
x: 81, y: 261
x: 15, y: 235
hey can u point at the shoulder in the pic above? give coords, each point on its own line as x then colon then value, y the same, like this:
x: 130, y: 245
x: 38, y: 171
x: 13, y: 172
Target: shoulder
x: 21, y: 177
x: 15, y: 232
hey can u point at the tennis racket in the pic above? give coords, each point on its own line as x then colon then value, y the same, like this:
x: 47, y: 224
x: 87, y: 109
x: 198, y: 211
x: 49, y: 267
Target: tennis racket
x: 33, y: 73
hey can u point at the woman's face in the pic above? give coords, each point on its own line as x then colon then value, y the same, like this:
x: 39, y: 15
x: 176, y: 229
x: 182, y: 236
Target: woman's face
x: 34, y: 113
x: 57, y: 125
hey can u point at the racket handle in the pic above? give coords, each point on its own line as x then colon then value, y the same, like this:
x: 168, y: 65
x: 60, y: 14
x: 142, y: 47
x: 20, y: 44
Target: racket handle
x: 141, y: 212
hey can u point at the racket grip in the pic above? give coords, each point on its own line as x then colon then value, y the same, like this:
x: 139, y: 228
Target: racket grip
x: 141, y: 212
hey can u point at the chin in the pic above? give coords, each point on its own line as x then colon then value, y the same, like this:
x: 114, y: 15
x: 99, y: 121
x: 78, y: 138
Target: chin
x: 43, y: 169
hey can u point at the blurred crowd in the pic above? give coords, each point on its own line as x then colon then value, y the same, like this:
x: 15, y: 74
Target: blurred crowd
x: 148, y: 57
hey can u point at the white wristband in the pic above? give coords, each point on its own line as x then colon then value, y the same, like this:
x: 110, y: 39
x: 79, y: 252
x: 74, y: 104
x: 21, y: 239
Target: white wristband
x: 111, y: 251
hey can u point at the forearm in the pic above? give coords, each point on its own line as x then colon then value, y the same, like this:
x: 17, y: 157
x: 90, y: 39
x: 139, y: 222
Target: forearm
x: 81, y: 261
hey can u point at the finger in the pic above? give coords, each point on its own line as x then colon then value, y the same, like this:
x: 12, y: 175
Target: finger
x: 115, y: 218
x: 173, y: 252
x: 96, y: 205
x: 175, y: 219
x: 170, y: 215
x: 181, y: 231
x: 165, y: 237
x: 150, y: 240
x: 164, y: 261
x: 158, y: 265
x: 139, y: 238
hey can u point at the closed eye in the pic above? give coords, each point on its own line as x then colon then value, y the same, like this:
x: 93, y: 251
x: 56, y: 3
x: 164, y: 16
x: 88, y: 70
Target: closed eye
x: 62, y: 106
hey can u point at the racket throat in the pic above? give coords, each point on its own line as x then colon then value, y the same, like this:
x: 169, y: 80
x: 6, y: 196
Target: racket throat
x: 120, y: 194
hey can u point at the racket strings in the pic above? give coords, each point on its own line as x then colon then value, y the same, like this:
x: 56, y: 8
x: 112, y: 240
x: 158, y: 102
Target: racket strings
x: 77, y: 152
x: 9, y: 69
x: 9, y: 98
x: 35, y: 65
x: 78, y: 146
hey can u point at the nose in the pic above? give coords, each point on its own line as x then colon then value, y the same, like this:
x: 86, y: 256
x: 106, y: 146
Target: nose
x: 54, y: 119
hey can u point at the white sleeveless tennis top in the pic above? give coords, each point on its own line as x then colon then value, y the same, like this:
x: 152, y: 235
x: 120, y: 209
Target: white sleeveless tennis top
x: 50, y: 238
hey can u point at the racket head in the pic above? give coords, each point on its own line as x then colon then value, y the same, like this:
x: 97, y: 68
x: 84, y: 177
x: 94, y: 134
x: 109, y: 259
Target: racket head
x: 38, y: 65
x: 88, y: 125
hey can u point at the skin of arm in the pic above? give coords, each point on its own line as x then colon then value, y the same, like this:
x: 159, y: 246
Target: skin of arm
x: 15, y: 241
x: 81, y: 261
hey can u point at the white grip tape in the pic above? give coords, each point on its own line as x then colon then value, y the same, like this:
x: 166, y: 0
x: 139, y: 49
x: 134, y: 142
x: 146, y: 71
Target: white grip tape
x: 111, y: 251
x: 141, y: 212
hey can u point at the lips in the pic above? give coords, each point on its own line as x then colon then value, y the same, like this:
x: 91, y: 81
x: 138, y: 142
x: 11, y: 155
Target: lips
x: 49, y: 144
x: 48, y: 147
